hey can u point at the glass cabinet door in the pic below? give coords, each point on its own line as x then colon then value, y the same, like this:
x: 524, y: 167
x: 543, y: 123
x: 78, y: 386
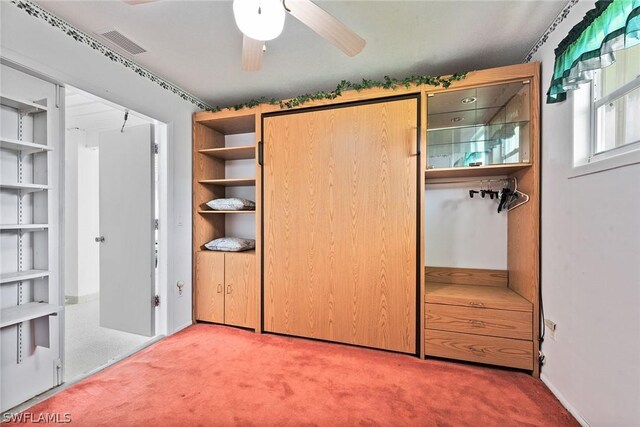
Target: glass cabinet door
x: 479, y: 126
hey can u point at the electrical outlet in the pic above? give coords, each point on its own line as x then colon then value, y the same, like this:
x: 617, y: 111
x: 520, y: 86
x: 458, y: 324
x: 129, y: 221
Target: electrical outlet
x: 180, y: 286
x: 551, y: 328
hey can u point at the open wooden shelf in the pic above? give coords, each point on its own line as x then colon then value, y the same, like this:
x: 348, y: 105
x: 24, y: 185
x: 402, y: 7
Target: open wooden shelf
x: 473, y: 171
x: 231, y: 182
x: 497, y: 297
x: 23, y: 106
x: 207, y: 212
x: 24, y: 146
x: 234, y: 122
x: 231, y: 153
x: 26, y: 188
x: 19, y: 276
x: 207, y: 251
x: 24, y: 312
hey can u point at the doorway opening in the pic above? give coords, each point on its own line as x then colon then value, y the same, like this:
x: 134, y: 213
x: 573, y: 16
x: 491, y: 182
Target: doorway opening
x: 111, y: 241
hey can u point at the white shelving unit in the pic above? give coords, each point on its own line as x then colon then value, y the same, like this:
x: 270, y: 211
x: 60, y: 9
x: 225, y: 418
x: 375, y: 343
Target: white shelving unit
x: 23, y: 227
x: 32, y: 216
x: 25, y: 188
x: 25, y: 312
x: 20, y: 276
x: 24, y: 107
x: 23, y: 146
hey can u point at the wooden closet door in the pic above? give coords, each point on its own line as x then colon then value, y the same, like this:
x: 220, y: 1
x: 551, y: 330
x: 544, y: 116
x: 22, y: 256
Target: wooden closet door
x: 340, y: 218
x: 240, y: 290
x: 210, y: 289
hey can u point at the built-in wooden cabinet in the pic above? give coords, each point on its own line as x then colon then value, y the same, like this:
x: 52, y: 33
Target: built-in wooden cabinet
x: 472, y: 315
x: 480, y: 131
x: 339, y: 223
x: 225, y: 283
x: 226, y: 291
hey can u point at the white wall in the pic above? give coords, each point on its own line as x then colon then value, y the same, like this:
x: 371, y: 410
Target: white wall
x: 88, y: 221
x: 464, y: 232
x: 82, y: 267
x: 37, y: 45
x: 590, y: 269
x: 74, y: 138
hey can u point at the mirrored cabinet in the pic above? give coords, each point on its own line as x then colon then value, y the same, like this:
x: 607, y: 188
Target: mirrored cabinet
x: 476, y: 127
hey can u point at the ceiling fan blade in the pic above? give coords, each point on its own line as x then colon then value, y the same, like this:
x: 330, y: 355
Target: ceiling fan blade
x: 326, y: 26
x: 251, y: 54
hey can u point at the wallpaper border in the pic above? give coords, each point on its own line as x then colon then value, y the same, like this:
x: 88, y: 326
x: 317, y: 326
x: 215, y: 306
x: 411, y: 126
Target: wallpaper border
x: 78, y: 35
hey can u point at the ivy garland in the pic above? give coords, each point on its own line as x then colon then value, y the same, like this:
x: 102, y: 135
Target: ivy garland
x: 387, y: 83
x: 344, y: 85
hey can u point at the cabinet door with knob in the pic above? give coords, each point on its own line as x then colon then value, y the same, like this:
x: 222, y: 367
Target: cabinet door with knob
x: 210, y: 289
x: 240, y: 289
x: 226, y: 290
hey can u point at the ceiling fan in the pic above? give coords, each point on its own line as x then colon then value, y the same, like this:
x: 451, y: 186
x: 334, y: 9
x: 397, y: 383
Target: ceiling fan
x: 263, y: 20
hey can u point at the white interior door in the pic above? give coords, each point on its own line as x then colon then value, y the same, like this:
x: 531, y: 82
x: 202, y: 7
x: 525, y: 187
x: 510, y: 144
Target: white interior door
x: 127, y: 253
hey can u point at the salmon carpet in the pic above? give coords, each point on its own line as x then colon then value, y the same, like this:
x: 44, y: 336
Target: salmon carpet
x: 208, y: 375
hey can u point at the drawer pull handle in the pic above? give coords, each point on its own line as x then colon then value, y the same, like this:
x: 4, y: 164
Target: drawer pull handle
x: 219, y: 288
x: 478, y: 351
x: 476, y: 304
x: 477, y: 323
x: 228, y: 289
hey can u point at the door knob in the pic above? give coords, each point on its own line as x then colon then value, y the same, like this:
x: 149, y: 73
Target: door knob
x: 100, y: 239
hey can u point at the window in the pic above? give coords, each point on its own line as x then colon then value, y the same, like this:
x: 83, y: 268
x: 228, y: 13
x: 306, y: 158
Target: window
x: 616, y: 105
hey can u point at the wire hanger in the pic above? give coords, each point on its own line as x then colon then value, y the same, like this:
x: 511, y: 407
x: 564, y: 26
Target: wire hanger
x: 511, y: 197
x: 525, y: 197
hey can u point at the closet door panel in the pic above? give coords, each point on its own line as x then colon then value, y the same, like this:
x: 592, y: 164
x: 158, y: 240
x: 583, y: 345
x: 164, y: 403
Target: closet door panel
x: 340, y: 215
x: 299, y: 226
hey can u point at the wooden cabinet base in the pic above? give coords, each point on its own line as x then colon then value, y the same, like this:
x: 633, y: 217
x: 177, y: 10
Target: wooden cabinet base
x: 480, y: 349
x: 226, y: 288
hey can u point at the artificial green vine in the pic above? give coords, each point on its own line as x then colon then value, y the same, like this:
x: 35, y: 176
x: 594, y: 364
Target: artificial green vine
x: 344, y: 85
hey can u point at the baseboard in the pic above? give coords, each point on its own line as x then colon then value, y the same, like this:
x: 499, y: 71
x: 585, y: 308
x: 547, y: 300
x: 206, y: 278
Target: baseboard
x: 573, y: 411
x: 80, y: 299
x: 179, y: 328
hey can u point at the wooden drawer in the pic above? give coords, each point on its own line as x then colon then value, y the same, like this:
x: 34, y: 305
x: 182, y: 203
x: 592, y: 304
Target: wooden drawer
x: 479, y: 321
x: 499, y: 298
x: 478, y: 348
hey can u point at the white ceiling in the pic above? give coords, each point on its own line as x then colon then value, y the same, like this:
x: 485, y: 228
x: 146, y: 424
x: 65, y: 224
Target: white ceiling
x: 197, y: 46
x: 92, y: 114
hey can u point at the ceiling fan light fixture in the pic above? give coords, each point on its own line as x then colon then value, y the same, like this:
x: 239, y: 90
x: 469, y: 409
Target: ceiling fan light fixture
x: 259, y: 19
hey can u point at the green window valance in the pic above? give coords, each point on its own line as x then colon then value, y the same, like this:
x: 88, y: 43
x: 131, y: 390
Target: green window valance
x: 610, y: 26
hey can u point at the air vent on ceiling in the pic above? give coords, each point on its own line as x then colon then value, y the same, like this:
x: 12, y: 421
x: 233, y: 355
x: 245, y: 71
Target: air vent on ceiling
x: 122, y: 41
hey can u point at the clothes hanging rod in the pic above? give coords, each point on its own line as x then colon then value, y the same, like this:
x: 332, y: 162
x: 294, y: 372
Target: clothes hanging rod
x: 463, y: 181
